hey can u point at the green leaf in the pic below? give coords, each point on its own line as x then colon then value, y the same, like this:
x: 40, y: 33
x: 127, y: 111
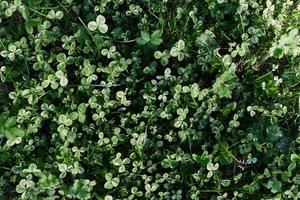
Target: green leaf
x: 152, y: 40
x: 81, y: 189
x: 229, y: 108
x: 73, y: 116
x: 59, y: 15
x: 103, y: 28
x: 144, y: 39
x: 61, y: 57
x: 225, y: 182
x: 108, y: 185
x: 274, y: 185
x: 156, y: 38
x: 92, y: 26
x: 277, y: 52
x: 100, y: 19
x: 180, y: 45
x: 207, y: 40
x: 10, y: 122
x: 157, y: 54
x: 195, y: 90
x: 24, y: 12
x: 178, y: 124
x: 16, y: 132
x: 174, y: 52
x: 108, y: 176
x: 115, y: 182
x: 273, y: 133
x: 28, y: 27
x: 17, y: 2
x: 182, y: 135
x: 48, y: 181
x: 140, y: 142
x: 108, y: 197
x: 225, y: 83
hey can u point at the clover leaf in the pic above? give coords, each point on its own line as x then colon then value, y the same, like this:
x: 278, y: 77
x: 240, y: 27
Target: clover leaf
x: 110, y: 181
x: 63, y: 119
x: 177, y: 51
x: 98, y: 24
x: 163, y: 56
x: 211, y: 168
x: 55, y: 15
x: 63, y: 79
x: 32, y: 169
x: 11, y: 52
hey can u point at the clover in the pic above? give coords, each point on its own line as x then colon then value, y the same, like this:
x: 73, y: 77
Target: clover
x: 51, y: 80
x: 63, y: 119
x: 98, y: 24
x: 24, y: 187
x: 121, y: 96
x: 160, y: 100
x: 77, y: 169
x: 55, y: 15
x: 2, y: 73
x: 32, y: 169
x: 110, y: 181
x: 163, y: 56
x: 63, y: 61
x: 14, y: 6
x: 88, y: 71
x: 110, y: 53
x: 211, y: 168
x: 177, y: 50
x: 108, y: 197
x: 23, y: 115
x: 11, y: 52
x: 119, y: 162
x: 63, y: 79
x: 182, y: 116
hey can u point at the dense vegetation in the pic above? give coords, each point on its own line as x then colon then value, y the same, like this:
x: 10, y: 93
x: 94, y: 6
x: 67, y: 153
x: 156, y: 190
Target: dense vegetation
x: 149, y: 99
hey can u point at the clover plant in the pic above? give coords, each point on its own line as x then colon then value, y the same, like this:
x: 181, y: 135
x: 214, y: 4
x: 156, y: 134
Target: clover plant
x: 115, y: 99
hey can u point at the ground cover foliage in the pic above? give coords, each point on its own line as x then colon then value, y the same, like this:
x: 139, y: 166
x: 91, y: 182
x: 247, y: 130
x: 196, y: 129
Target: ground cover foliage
x: 146, y: 99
